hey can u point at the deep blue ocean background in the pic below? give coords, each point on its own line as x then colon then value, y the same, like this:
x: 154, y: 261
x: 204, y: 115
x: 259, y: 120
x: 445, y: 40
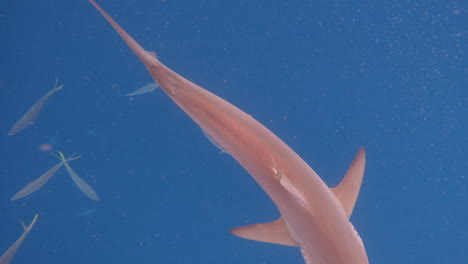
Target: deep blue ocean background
x: 326, y: 76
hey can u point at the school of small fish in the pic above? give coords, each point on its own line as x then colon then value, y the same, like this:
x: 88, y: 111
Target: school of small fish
x: 28, y: 119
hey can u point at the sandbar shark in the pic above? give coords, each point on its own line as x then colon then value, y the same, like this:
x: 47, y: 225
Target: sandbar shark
x: 313, y: 216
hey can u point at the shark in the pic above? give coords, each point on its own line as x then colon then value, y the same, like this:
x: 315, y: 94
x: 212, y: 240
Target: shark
x: 314, y: 217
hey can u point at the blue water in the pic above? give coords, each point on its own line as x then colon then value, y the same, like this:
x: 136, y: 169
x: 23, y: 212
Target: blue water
x: 326, y: 76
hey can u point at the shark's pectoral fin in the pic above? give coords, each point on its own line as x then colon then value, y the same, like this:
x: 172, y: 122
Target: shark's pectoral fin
x: 275, y: 232
x: 348, y: 189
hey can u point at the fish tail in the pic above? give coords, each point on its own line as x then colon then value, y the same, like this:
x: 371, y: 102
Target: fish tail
x: 56, y: 86
x: 61, y: 157
x: 30, y: 226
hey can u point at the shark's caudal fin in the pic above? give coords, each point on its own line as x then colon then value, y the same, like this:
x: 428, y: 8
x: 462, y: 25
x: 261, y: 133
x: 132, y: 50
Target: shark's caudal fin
x: 275, y: 232
x: 348, y: 189
x: 145, y: 56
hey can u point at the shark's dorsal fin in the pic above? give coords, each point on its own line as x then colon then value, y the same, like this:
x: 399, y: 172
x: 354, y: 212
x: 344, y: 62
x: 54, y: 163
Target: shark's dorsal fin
x: 275, y: 232
x: 348, y: 189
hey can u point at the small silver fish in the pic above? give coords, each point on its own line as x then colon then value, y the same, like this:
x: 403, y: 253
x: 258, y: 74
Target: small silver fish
x: 82, y: 185
x: 31, y: 115
x: 149, y: 88
x: 39, y: 182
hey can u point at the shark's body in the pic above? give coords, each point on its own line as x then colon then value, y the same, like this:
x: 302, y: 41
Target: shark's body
x: 314, y: 217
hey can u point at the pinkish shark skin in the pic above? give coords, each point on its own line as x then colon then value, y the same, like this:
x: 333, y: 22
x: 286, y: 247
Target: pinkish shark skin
x: 314, y: 217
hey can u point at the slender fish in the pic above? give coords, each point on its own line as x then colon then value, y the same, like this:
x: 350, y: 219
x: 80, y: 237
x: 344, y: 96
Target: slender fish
x: 10, y: 253
x: 39, y: 182
x: 82, y: 185
x: 149, y: 88
x: 31, y: 115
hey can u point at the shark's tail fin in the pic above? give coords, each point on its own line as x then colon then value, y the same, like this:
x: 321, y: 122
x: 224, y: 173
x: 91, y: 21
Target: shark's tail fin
x: 144, y: 55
